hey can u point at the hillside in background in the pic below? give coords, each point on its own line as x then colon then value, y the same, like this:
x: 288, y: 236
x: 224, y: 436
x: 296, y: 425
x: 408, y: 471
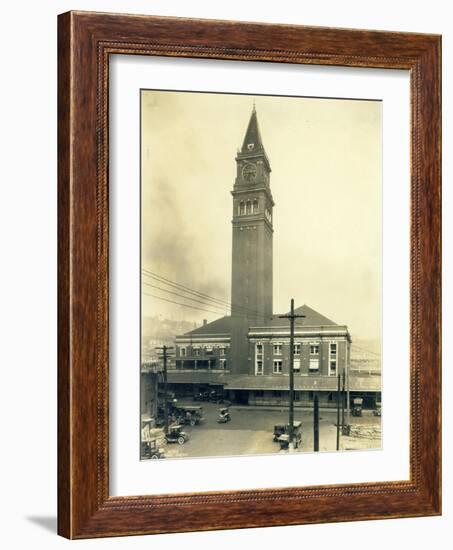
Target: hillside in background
x: 157, y: 331
x: 366, y: 355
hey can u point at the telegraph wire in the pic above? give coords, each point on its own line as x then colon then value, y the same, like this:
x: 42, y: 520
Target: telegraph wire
x: 179, y: 303
x: 190, y: 290
x: 177, y: 294
x: 225, y: 314
x: 216, y: 301
x: 222, y: 310
x: 365, y: 350
x: 197, y: 293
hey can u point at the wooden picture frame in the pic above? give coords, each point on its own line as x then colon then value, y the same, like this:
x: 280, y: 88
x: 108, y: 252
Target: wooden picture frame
x: 85, y: 42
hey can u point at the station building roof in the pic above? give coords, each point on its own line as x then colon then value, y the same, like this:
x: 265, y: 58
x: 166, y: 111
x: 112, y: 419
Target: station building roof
x: 223, y: 325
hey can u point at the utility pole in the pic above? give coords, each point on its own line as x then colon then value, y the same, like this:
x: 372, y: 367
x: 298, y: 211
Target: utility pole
x: 292, y: 317
x: 164, y: 350
x: 348, y: 397
x: 315, y: 423
x: 342, y: 400
x: 338, y: 412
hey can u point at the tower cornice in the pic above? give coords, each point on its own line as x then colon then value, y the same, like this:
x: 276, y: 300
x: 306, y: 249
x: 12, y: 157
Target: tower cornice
x: 241, y: 190
x: 252, y: 220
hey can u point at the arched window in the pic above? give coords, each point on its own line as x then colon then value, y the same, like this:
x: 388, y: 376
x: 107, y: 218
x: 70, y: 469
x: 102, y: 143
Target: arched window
x: 241, y: 208
x: 249, y: 207
x: 255, y: 206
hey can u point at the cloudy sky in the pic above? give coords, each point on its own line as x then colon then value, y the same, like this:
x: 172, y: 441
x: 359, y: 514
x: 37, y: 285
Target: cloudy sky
x: 325, y: 156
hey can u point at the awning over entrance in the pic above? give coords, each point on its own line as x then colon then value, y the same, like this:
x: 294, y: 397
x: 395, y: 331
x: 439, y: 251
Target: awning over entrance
x: 301, y: 383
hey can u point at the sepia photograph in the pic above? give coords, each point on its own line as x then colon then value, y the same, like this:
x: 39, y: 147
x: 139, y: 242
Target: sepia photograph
x: 261, y: 274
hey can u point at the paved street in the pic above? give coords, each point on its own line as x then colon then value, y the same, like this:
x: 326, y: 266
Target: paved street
x: 251, y: 432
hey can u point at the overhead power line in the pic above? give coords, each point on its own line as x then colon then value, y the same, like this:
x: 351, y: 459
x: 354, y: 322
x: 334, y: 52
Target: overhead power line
x: 180, y: 304
x: 189, y: 305
x: 366, y: 350
x: 215, y: 301
x: 222, y: 310
x: 179, y: 286
x: 176, y: 293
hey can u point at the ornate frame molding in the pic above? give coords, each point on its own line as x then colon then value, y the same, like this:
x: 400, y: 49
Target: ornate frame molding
x: 86, y: 40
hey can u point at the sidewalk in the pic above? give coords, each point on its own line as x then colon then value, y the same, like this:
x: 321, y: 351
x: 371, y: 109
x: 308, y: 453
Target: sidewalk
x: 279, y: 408
x: 274, y: 408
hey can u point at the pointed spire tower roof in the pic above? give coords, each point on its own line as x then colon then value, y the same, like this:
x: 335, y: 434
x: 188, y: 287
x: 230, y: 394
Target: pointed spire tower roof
x: 252, y: 139
x: 252, y: 146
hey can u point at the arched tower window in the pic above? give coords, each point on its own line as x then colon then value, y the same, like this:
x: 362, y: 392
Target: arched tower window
x: 241, y: 208
x: 255, y: 206
x: 249, y: 207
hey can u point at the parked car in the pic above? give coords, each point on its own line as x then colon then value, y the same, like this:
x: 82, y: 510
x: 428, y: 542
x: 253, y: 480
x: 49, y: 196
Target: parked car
x: 189, y: 414
x: 176, y: 435
x: 378, y: 409
x: 279, y: 429
x: 283, y: 440
x: 201, y: 396
x: 213, y: 396
x: 150, y: 449
x: 357, y: 404
x: 224, y: 415
x: 216, y: 396
x: 282, y: 429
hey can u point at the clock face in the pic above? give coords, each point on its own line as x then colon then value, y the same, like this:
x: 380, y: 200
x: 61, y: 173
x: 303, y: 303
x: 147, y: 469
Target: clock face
x: 249, y: 171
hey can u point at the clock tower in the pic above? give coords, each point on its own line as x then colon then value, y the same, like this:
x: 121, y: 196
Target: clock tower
x: 251, y: 282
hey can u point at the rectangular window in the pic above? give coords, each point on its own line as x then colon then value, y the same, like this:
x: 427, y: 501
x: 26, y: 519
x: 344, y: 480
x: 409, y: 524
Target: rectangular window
x: 196, y: 351
x: 278, y: 366
x: 258, y: 359
x: 333, y: 367
x: 259, y: 367
x: 314, y: 365
x: 223, y: 364
x: 277, y: 349
x: 259, y: 393
x: 296, y: 349
x: 296, y: 365
x: 222, y: 351
x: 314, y: 349
x: 296, y: 396
x: 183, y: 352
x: 333, y: 350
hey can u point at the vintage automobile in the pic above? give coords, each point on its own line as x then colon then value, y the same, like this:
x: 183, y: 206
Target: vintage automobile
x: 150, y: 449
x: 279, y: 429
x: 283, y: 440
x: 216, y: 396
x: 201, y: 396
x: 357, y: 404
x: 189, y: 414
x: 224, y: 415
x: 151, y: 438
x: 378, y: 409
x: 176, y: 435
x: 282, y: 429
x: 213, y: 396
x: 172, y: 406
